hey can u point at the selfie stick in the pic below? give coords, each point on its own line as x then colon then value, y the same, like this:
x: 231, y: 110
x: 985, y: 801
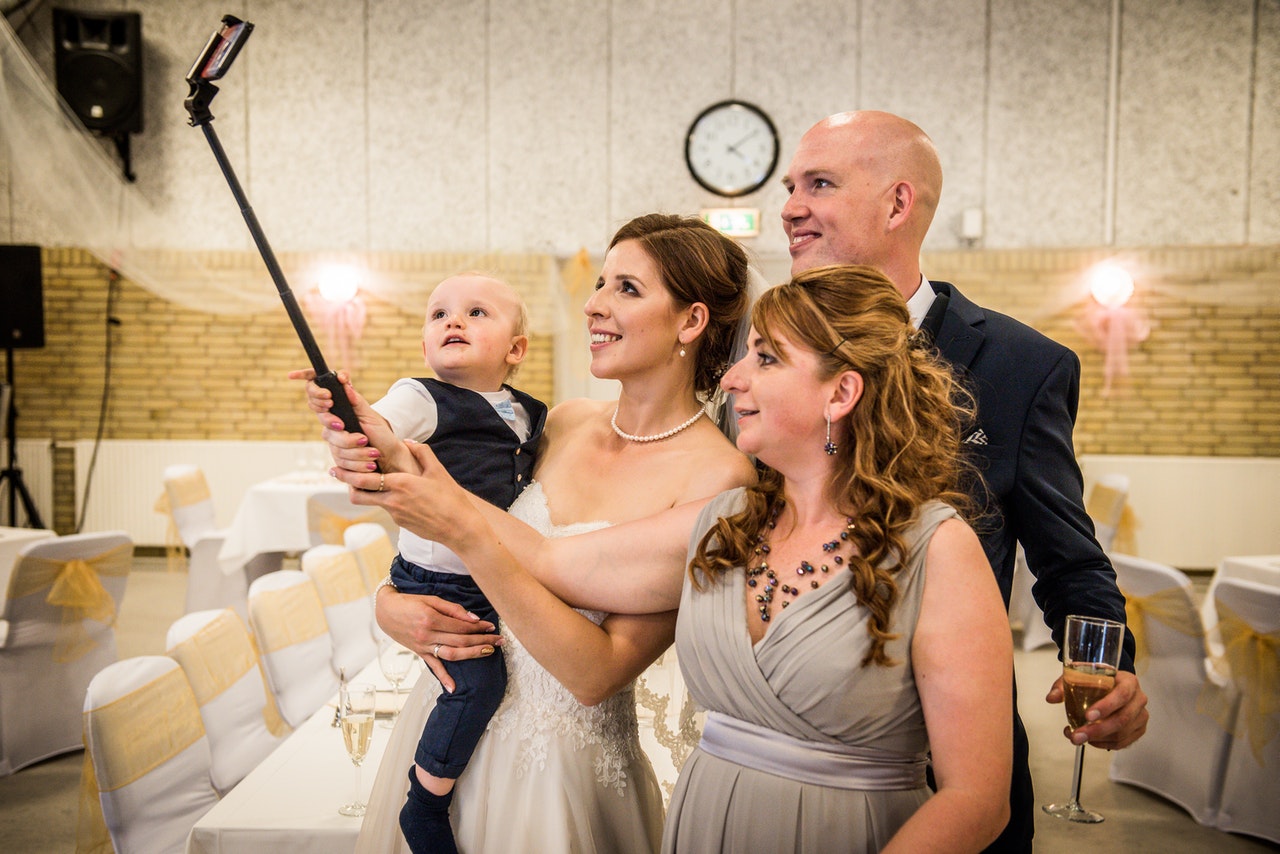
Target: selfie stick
x: 223, y: 46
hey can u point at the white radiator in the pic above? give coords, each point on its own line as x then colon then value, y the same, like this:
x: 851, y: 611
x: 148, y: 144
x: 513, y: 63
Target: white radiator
x: 128, y: 478
x: 35, y: 460
x: 1194, y: 511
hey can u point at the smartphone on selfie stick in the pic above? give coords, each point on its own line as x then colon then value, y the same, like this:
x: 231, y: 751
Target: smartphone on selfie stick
x: 223, y: 47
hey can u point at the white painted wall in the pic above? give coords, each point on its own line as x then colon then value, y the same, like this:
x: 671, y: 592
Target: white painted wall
x: 532, y: 125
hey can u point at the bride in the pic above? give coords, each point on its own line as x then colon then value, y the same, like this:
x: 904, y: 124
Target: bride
x: 560, y: 767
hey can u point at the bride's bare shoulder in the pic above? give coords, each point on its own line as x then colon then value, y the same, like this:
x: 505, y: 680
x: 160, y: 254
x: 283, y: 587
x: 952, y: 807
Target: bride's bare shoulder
x: 719, y: 466
x: 575, y: 414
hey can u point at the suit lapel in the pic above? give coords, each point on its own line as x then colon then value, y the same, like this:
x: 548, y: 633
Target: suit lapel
x: 960, y: 336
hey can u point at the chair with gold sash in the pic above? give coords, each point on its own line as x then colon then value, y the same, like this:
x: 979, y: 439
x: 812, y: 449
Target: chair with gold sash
x: 348, y: 607
x: 1249, y: 625
x: 374, y: 551
x: 1182, y: 754
x: 57, y: 629
x: 220, y: 660
x: 148, y: 752
x: 191, y: 507
x: 329, y: 514
x: 287, y: 619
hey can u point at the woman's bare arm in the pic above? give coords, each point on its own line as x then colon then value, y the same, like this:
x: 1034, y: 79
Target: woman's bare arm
x: 962, y: 655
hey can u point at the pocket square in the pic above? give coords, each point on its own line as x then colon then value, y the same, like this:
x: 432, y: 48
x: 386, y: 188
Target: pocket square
x: 977, y: 437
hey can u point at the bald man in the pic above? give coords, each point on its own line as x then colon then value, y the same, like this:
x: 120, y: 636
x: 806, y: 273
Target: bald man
x: 863, y: 190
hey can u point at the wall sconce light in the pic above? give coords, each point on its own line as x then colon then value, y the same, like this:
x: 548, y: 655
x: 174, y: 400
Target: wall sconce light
x: 1109, y: 323
x: 341, y: 310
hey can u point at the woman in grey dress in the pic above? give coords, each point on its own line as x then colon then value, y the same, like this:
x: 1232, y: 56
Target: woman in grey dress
x: 837, y: 620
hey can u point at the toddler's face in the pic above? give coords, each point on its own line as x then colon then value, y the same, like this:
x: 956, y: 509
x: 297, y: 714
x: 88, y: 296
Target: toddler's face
x: 470, y: 337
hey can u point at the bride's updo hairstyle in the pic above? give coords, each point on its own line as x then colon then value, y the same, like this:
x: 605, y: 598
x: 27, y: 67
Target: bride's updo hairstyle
x: 901, y: 445
x: 697, y: 264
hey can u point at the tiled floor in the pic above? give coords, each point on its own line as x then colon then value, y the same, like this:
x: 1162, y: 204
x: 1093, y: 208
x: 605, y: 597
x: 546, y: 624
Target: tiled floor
x: 38, y: 805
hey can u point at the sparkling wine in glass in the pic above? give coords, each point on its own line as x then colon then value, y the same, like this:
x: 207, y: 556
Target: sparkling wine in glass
x: 356, y: 702
x: 1090, y: 659
x: 395, y: 661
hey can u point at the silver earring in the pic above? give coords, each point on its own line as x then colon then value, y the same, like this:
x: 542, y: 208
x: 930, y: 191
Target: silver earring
x: 830, y: 447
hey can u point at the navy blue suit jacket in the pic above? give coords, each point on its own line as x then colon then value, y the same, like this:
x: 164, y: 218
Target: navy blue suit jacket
x: 1027, y: 388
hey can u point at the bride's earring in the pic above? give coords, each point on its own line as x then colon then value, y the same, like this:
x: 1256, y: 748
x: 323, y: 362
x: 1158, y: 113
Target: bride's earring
x: 830, y: 447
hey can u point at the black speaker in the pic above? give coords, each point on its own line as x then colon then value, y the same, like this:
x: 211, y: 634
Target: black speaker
x: 21, y: 298
x: 98, y: 65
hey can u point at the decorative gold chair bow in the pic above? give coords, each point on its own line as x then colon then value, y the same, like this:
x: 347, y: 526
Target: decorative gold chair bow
x: 287, y: 616
x: 1109, y: 506
x: 217, y: 657
x: 175, y: 554
x: 75, y: 587
x: 1169, y: 607
x: 337, y: 578
x: 330, y: 525
x: 1253, y: 659
x: 375, y: 559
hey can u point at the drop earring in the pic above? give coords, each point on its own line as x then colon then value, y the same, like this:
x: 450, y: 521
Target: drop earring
x: 830, y: 447
x: 681, y: 351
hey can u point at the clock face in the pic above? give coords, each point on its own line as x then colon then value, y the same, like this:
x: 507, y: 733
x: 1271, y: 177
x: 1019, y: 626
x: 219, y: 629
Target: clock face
x: 732, y: 148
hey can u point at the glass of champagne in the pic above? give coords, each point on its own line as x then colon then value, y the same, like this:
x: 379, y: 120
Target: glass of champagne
x: 1090, y: 659
x: 395, y: 661
x: 356, y: 702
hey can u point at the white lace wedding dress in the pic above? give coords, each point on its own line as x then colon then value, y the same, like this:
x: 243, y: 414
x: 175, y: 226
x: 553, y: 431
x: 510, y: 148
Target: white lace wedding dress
x: 549, y: 775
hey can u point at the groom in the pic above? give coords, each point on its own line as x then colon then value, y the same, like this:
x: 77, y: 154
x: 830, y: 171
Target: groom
x: 863, y: 190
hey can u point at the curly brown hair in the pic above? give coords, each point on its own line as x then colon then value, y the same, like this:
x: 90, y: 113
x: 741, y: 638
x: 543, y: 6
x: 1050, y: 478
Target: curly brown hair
x: 697, y: 264
x: 902, y: 446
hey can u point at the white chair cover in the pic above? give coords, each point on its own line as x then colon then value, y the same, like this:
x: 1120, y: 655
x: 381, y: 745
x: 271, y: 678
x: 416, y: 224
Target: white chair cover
x: 374, y: 551
x: 1106, y: 507
x: 329, y: 514
x: 220, y: 660
x: 1249, y: 623
x: 57, y: 629
x: 149, y: 753
x: 293, y: 639
x: 348, y: 608
x: 1182, y: 754
x: 209, y: 585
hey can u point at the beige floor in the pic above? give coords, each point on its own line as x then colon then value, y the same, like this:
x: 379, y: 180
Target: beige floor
x: 38, y: 804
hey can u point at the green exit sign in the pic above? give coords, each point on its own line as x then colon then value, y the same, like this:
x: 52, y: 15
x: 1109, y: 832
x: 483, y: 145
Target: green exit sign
x: 734, y: 222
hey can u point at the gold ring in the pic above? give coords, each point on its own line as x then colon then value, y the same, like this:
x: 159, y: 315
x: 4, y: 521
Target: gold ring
x: 382, y: 483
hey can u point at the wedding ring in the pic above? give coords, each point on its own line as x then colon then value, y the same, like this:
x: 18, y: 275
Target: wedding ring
x: 436, y: 652
x: 382, y: 483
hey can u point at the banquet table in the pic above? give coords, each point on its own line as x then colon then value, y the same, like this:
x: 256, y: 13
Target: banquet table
x: 11, y: 542
x: 272, y: 517
x: 289, y: 803
x: 1264, y: 569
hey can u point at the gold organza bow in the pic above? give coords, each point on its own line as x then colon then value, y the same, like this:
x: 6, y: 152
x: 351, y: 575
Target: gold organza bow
x: 1170, y: 607
x: 174, y: 554
x: 330, y: 525
x: 74, y: 586
x: 375, y: 561
x: 337, y: 578
x: 1253, y: 659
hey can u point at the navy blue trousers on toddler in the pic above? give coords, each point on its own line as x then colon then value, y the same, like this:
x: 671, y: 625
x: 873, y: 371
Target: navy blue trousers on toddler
x: 459, y: 718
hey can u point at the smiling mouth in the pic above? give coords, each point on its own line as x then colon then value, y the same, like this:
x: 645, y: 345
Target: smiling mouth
x: 604, y: 338
x: 455, y: 339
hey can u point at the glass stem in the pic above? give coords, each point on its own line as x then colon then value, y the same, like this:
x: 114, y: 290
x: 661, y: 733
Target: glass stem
x: 1076, y: 775
x: 356, y: 800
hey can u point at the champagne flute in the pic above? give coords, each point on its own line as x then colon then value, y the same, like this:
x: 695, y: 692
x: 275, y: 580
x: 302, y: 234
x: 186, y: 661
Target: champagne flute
x: 1090, y: 659
x: 395, y: 661
x: 357, y: 704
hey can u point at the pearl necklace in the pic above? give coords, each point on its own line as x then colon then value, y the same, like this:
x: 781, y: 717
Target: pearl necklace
x: 656, y: 437
x: 805, y: 568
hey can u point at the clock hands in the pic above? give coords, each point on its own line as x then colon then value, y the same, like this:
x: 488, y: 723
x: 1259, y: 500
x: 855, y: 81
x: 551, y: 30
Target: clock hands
x: 734, y: 146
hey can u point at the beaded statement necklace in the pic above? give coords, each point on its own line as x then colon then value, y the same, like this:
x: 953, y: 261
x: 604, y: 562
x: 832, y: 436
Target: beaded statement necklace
x: 656, y: 437
x: 830, y: 548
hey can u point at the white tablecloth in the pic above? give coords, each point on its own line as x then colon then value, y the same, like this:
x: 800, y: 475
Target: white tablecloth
x: 272, y: 517
x: 289, y: 803
x: 11, y: 542
x: 1264, y: 569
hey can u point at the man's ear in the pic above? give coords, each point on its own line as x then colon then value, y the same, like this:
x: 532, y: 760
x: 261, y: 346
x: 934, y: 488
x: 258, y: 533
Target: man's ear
x: 904, y: 201
x: 696, y: 317
x: 519, y: 347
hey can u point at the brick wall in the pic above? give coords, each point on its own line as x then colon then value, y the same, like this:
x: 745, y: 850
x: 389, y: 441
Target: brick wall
x: 1205, y: 382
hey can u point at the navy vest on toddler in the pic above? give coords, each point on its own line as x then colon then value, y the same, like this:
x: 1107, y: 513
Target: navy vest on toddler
x: 477, y: 447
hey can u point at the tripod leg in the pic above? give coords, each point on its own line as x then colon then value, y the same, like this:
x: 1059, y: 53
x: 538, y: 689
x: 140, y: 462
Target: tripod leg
x: 18, y: 490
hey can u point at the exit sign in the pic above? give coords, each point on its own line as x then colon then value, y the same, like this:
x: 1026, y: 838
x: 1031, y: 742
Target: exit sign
x: 733, y: 222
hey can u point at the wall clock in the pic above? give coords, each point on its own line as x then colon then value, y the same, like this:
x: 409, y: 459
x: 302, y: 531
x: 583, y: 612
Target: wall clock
x: 732, y: 148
